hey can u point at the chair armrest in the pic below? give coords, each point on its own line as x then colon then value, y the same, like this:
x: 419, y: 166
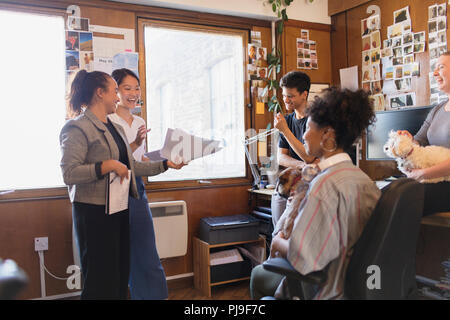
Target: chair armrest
x: 284, y: 267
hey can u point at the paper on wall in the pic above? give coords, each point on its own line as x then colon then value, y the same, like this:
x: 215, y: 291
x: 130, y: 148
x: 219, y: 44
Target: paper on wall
x: 349, y: 78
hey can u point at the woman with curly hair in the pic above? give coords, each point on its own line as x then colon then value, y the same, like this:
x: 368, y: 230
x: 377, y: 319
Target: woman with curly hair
x: 338, y: 203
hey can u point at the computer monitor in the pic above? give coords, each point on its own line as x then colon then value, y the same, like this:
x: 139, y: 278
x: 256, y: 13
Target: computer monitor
x: 410, y: 119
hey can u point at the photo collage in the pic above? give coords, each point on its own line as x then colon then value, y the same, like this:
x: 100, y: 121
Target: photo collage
x: 257, y: 68
x: 371, y: 58
x: 397, y: 57
x: 79, y: 46
x: 306, y: 52
x: 437, y: 43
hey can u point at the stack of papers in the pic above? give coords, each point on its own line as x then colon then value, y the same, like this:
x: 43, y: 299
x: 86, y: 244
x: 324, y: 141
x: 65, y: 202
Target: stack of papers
x: 180, y: 146
x: 224, y: 257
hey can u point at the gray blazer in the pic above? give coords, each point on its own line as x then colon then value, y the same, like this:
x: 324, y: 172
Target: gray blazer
x: 85, y: 141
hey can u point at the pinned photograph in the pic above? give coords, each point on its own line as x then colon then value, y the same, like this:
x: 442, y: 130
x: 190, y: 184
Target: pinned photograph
x: 313, y: 54
x: 398, y: 101
x: 366, y: 58
x: 86, y: 41
x: 407, y: 38
x: 410, y: 99
x: 387, y: 43
x: 397, y: 42
x: 442, y: 49
x: 370, y: 24
x: 300, y: 64
x: 252, y: 49
x: 72, y: 60
x: 395, y: 30
x: 312, y: 45
x: 442, y: 10
x: 386, y: 52
x: 407, y: 70
x: 375, y: 56
x: 72, y: 40
x: 403, y: 84
x: 375, y: 87
x: 366, y: 86
x: 251, y: 70
x: 408, y: 49
x: 375, y: 39
x: 300, y: 43
x: 388, y: 73
x: 397, y: 52
x: 434, y: 53
x: 306, y: 45
x: 419, y: 47
x: 432, y: 12
x: 307, y: 54
x: 314, y: 64
x: 432, y: 26
x: 365, y: 74
x: 307, y: 63
x: 87, y: 60
x: 261, y: 54
x: 300, y: 54
x: 442, y: 37
x: 419, y: 37
x: 375, y: 72
x: 397, y: 61
x: 408, y: 59
x: 401, y: 15
x: 366, y: 43
x: 77, y: 23
x: 378, y: 102
x: 433, y: 83
x: 406, y: 26
x: 434, y: 99
x: 256, y: 37
x: 304, y: 34
x: 433, y: 64
x: 398, y: 74
x: 441, y: 23
x: 261, y: 72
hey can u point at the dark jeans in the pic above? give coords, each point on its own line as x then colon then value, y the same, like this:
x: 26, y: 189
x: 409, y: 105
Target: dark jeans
x: 437, y: 198
x: 104, y: 242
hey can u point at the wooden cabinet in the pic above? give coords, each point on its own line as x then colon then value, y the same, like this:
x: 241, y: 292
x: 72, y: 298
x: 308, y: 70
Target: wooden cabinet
x: 202, y: 266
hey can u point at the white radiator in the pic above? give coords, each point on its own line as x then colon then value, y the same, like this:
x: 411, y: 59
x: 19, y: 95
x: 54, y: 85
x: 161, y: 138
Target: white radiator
x: 171, y: 228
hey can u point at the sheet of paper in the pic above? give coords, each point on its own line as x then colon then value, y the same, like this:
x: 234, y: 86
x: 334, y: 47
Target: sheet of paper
x: 260, y: 107
x: 349, y: 78
x: 117, y: 193
x: 224, y: 257
x: 180, y: 146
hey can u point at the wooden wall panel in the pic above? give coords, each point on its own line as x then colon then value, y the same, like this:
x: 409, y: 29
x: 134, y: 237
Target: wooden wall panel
x: 317, y: 32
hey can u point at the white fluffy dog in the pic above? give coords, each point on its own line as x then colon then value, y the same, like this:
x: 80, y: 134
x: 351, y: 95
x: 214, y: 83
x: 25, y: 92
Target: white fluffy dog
x: 412, y: 156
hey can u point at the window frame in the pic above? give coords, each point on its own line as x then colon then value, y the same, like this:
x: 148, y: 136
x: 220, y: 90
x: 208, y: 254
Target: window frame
x: 244, y: 33
x: 38, y: 193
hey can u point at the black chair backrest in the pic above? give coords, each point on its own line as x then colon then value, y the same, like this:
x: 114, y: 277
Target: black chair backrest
x: 388, y: 242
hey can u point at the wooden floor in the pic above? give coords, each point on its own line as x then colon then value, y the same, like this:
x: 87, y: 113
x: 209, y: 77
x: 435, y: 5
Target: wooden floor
x: 232, y: 291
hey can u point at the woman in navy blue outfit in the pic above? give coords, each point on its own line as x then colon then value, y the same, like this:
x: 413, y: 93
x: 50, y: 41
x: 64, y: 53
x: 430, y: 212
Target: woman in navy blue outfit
x: 147, y: 279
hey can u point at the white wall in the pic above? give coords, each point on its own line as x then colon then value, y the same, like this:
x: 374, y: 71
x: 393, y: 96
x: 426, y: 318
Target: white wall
x: 298, y: 10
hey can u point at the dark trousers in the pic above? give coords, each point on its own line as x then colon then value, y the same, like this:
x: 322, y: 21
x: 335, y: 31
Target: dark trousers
x: 437, y: 198
x: 104, y: 245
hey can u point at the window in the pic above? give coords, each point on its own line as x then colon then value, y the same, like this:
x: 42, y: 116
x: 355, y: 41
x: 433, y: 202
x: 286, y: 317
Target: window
x: 194, y: 80
x: 32, y: 87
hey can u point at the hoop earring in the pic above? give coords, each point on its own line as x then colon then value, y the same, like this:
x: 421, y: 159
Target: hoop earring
x: 329, y: 150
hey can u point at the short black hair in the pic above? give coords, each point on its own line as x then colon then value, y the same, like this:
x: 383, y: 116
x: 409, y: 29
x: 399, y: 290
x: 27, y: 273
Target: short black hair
x: 120, y: 74
x: 349, y: 113
x: 297, y: 80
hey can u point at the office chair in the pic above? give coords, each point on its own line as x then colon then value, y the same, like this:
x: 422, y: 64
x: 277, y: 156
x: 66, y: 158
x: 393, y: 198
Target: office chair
x: 12, y: 279
x: 388, y: 242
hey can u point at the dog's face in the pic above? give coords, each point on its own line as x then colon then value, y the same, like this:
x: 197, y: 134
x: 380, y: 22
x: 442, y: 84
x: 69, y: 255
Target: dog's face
x: 287, y: 180
x: 398, y: 145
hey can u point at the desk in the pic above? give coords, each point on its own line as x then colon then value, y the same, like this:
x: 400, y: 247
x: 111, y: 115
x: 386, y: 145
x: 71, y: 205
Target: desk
x: 259, y: 194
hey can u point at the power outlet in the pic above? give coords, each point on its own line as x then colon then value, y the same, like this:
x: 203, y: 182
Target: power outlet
x: 41, y: 244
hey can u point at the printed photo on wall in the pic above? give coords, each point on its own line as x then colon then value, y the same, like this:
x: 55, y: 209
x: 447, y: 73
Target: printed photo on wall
x: 252, y: 51
x: 375, y: 39
x: 72, y: 60
x: 72, y: 40
x: 261, y: 54
x: 86, y: 41
x: 401, y: 15
x: 77, y: 23
x: 304, y: 34
x: 87, y: 60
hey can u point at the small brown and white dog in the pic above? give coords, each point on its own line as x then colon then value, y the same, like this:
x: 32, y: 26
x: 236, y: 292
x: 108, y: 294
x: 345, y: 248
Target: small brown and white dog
x: 410, y: 155
x: 293, y: 184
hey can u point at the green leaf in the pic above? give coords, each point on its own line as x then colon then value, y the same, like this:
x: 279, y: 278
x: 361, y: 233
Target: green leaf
x: 284, y: 15
x: 280, y: 27
x: 274, y: 7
